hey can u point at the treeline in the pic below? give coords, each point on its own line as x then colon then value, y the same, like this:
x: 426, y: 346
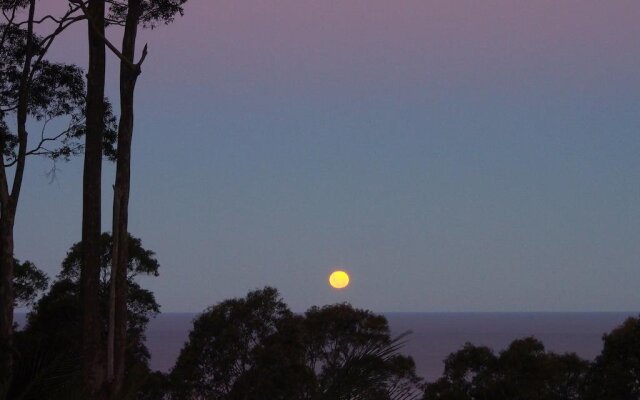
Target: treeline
x: 255, y: 348
x: 525, y: 371
x: 248, y: 348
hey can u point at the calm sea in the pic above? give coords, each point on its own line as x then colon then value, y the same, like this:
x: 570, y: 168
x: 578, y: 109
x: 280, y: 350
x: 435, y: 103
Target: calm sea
x: 435, y: 335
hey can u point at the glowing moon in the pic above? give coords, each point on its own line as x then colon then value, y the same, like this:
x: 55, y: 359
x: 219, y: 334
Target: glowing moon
x: 339, y: 279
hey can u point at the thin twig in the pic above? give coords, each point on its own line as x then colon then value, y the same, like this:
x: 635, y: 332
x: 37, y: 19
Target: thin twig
x: 45, y: 44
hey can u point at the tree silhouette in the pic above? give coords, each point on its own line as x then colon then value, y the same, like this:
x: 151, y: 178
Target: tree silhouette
x: 256, y: 348
x: 524, y: 371
x: 353, y: 355
x: 49, y: 350
x: 615, y: 374
x: 92, y: 352
x: 130, y: 14
x: 28, y: 283
x: 30, y: 88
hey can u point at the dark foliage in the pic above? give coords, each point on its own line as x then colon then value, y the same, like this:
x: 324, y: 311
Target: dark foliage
x: 255, y: 348
x: 223, y: 343
x: 524, y: 371
x: 28, y: 283
x: 153, y: 11
x: 49, y: 351
x: 615, y: 374
x: 12, y: 4
x: 56, y: 90
x: 353, y: 355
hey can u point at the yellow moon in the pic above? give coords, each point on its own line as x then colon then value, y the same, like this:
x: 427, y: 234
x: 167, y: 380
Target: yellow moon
x: 339, y: 279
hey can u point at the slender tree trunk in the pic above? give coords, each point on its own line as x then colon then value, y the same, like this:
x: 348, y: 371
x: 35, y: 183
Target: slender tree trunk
x: 120, y: 254
x: 8, y: 207
x: 92, y: 350
x: 6, y: 298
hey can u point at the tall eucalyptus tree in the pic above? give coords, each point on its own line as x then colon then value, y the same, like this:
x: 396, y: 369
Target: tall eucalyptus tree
x: 132, y: 14
x: 30, y: 87
x: 93, y: 354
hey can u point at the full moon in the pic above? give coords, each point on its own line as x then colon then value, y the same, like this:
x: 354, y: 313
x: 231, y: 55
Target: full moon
x: 339, y: 279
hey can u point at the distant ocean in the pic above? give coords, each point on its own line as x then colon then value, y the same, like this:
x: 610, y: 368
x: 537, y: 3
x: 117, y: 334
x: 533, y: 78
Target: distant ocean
x: 435, y: 335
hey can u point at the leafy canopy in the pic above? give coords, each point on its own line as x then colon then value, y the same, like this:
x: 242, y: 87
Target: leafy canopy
x: 256, y: 348
x: 56, y: 90
x: 49, y: 346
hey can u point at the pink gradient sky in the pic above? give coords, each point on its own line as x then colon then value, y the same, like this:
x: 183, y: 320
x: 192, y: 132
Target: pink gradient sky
x: 461, y: 155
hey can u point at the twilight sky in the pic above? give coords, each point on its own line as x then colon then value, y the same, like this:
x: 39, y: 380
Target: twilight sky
x: 451, y: 155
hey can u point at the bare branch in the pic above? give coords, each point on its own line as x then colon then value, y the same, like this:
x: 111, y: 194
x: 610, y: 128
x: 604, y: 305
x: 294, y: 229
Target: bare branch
x: 43, y: 19
x: 144, y: 55
x: 23, y: 103
x: 65, y: 21
x: 6, y: 110
x: 10, y: 18
x: 110, y: 21
x: 40, y: 149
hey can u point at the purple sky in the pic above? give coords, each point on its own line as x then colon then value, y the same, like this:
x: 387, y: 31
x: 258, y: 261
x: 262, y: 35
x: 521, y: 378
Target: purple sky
x: 452, y: 155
